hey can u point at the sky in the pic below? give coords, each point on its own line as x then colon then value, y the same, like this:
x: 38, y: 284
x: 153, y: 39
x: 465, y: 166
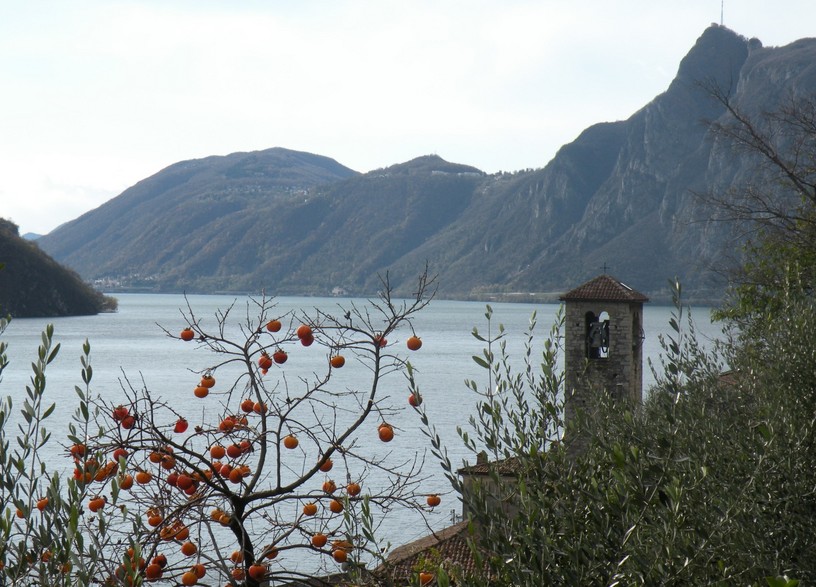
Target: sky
x: 96, y: 95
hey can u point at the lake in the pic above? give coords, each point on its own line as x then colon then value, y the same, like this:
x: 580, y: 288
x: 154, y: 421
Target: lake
x: 130, y: 344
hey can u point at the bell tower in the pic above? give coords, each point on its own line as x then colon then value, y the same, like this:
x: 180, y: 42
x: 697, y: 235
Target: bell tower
x: 603, y: 345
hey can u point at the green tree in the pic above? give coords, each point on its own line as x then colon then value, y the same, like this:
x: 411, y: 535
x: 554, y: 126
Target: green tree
x: 41, y: 541
x: 244, y: 487
x: 706, y: 483
x: 709, y: 481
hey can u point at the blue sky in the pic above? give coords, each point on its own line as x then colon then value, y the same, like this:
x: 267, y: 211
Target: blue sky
x: 96, y: 95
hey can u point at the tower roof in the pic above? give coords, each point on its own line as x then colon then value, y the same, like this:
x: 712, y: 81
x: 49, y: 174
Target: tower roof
x: 604, y: 288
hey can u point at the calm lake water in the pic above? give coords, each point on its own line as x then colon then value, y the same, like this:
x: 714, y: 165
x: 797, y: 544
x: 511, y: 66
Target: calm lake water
x: 130, y: 344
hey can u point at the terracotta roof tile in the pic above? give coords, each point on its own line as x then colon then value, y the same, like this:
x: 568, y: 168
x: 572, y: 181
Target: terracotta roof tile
x: 505, y: 467
x: 447, y: 547
x: 604, y: 288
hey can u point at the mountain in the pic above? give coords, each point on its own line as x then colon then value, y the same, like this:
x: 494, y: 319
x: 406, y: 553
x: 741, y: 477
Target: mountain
x: 620, y: 196
x: 202, y: 225
x: 32, y: 284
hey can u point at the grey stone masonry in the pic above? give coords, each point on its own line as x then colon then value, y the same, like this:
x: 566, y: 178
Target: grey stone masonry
x: 603, y: 345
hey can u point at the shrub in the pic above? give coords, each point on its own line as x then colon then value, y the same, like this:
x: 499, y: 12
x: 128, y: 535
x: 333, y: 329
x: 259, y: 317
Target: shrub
x: 707, y: 482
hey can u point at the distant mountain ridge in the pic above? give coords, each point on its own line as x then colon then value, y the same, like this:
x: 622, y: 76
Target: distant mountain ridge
x: 621, y: 195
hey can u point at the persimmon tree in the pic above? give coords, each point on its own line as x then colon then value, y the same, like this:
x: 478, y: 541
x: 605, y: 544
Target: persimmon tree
x: 259, y: 468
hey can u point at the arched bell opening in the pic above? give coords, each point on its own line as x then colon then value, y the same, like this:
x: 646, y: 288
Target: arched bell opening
x: 597, y: 335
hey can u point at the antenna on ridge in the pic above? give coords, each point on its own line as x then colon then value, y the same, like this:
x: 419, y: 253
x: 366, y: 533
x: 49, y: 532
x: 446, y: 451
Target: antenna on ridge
x: 722, y: 9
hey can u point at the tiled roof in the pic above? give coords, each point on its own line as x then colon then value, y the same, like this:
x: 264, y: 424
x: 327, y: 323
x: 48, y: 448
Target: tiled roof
x: 604, y: 288
x: 505, y: 467
x: 448, y: 548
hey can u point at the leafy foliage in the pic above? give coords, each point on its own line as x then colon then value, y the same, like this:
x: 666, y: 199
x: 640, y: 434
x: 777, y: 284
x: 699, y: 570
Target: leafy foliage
x: 708, y: 483
x: 40, y: 513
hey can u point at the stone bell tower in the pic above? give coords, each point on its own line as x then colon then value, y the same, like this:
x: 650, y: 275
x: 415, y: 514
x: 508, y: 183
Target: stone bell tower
x: 603, y: 345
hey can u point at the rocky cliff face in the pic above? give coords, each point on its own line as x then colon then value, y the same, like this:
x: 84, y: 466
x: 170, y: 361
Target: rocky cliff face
x: 622, y: 195
x: 640, y: 214
x: 641, y: 217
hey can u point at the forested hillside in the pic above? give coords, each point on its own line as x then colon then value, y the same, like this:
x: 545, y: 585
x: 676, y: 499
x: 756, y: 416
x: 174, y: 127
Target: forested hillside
x: 32, y: 284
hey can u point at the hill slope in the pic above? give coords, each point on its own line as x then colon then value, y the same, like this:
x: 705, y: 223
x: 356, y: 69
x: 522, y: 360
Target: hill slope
x: 620, y: 195
x: 32, y: 284
x: 196, y: 223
